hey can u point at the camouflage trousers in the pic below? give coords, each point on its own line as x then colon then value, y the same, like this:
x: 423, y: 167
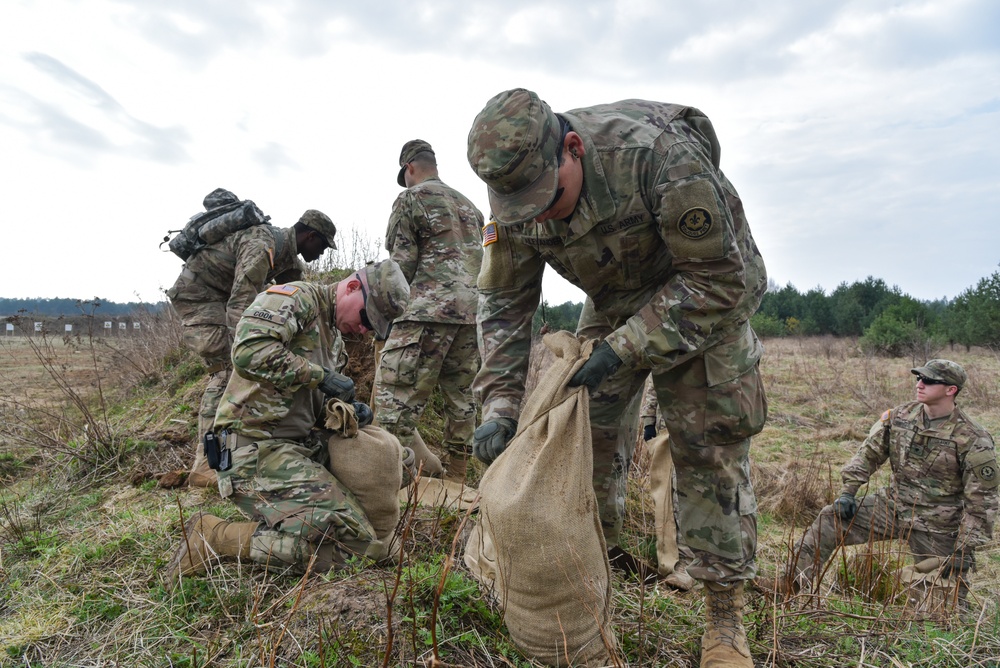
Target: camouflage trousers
x: 875, y: 520
x: 417, y: 357
x: 712, y: 404
x: 204, y: 330
x: 302, y: 508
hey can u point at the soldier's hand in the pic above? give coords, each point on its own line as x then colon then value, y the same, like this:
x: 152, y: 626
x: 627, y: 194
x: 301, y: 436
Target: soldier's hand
x: 846, y: 506
x: 491, y: 438
x: 957, y: 564
x: 603, y: 361
x: 363, y: 413
x: 649, y: 432
x: 337, y: 386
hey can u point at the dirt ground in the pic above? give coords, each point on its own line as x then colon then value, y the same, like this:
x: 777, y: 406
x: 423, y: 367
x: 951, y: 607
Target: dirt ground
x: 28, y: 367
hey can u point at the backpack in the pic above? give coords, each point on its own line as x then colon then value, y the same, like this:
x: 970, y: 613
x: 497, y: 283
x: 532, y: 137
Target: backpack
x: 224, y: 214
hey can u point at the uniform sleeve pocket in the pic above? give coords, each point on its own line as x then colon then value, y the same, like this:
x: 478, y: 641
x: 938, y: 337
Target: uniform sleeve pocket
x: 497, y: 270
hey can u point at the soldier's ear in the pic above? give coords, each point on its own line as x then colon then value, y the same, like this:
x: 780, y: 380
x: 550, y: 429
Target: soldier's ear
x: 574, y: 144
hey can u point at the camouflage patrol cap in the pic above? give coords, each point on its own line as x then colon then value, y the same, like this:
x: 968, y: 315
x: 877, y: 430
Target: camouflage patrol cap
x: 943, y: 370
x: 409, y: 152
x: 387, y: 297
x: 319, y: 221
x: 514, y: 149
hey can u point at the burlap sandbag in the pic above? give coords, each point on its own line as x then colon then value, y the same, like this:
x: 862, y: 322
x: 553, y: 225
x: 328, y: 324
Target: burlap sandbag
x: 661, y: 488
x: 539, y: 543
x: 369, y: 462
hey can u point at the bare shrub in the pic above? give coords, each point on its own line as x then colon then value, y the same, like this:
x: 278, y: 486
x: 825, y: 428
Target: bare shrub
x: 877, y: 391
x: 794, y: 492
x: 354, y: 249
x: 138, y: 359
x: 69, y: 419
x: 871, y: 573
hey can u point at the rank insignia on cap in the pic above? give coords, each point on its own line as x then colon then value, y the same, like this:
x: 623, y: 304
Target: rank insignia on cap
x: 489, y: 234
x: 286, y: 290
x: 695, y: 223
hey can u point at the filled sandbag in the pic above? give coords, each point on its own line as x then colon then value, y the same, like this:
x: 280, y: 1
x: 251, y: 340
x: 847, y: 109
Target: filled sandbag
x: 369, y: 462
x: 538, y: 544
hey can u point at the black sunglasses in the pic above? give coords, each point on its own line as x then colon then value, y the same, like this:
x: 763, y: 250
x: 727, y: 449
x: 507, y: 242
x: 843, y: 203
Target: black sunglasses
x: 931, y: 381
x: 364, y: 311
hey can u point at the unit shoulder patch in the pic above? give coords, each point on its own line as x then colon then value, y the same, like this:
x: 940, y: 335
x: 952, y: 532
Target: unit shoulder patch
x: 984, y: 466
x: 695, y: 223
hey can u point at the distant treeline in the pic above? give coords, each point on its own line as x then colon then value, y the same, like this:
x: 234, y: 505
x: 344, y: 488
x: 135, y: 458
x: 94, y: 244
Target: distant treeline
x: 884, y: 318
x: 73, y: 307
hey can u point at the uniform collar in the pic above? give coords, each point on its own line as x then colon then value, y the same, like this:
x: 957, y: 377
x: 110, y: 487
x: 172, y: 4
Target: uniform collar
x: 596, y: 203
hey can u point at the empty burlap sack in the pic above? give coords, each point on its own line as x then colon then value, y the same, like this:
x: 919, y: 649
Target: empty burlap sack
x: 438, y: 492
x: 370, y: 464
x: 661, y: 488
x: 539, y: 543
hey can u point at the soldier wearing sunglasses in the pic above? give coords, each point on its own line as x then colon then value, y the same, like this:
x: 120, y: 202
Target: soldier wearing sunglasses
x: 942, y: 498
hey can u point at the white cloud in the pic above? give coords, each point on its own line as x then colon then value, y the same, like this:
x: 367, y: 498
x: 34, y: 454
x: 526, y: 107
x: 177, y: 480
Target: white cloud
x: 859, y: 133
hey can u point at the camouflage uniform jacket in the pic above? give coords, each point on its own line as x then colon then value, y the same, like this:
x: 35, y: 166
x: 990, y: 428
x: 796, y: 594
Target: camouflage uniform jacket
x: 944, y: 477
x: 233, y: 270
x: 658, y: 241
x: 435, y: 235
x: 284, y: 341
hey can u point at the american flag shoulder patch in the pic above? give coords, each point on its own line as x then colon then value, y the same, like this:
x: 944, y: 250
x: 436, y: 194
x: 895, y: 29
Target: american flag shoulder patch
x: 489, y: 233
x: 287, y: 290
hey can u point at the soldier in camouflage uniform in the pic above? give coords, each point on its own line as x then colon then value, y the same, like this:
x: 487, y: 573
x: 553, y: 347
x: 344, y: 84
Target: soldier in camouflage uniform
x: 627, y: 202
x: 434, y: 235
x: 286, y: 350
x: 218, y: 283
x: 942, y: 498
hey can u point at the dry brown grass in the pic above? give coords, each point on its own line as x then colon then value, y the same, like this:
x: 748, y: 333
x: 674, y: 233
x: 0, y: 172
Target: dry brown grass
x: 82, y: 583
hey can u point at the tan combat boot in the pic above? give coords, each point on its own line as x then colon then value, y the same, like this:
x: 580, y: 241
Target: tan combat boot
x: 724, y: 644
x: 427, y: 462
x: 205, y: 538
x: 458, y: 466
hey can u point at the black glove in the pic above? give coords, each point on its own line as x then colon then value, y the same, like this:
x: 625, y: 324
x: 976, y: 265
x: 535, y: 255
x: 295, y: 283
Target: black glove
x: 337, y: 386
x: 491, y: 437
x: 957, y: 564
x: 649, y: 432
x: 846, y: 506
x: 363, y: 413
x: 603, y: 361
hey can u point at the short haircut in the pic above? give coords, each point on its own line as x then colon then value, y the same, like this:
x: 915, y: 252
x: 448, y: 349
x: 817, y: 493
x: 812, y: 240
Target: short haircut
x: 425, y: 159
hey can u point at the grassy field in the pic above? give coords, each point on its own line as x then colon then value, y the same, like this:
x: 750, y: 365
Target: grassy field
x: 86, y: 530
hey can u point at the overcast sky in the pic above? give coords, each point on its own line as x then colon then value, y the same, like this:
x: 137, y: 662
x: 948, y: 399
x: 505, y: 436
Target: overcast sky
x: 862, y: 135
